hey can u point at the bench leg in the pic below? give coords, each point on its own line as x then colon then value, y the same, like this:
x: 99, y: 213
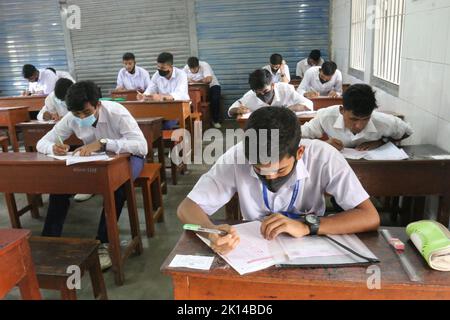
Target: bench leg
x: 158, y: 199
x: 98, y: 283
x: 148, y: 208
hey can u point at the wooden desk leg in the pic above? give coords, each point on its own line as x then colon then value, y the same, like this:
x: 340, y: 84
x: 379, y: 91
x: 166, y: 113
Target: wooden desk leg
x: 29, y: 286
x: 12, y: 210
x: 444, y: 210
x: 132, y: 213
x: 95, y: 272
x: 33, y: 201
x: 13, y: 138
x: 162, y: 160
x: 180, y: 287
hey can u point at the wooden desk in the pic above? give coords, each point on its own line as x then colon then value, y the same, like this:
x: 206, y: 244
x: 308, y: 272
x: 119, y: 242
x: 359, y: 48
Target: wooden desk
x: 204, y: 89
x: 16, y: 265
x: 34, y: 103
x: 323, y: 102
x: 223, y: 283
x: 9, y: 117
x: 129, y: 95
x: 35, y: 173
x: 418, y: 176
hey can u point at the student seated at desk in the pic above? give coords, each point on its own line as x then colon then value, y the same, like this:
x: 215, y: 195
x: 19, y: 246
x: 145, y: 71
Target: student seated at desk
x: 278, y: 69
x: 264, y: 93
x: 314, y: 59
x: 322, y: 81
x: 41, y: 81
x: 132, y: 77
x: 286, y: 194
x: 356, y: 124
x: 201, y: 72
x: 62, y: 74
x: 102, y: 126
x: 55, y: 107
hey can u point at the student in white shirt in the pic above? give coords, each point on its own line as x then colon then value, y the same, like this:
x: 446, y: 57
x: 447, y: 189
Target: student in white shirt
x: 314, y: 59
x: 265, y: 93
x: 322, y: 81
x: 55, y: 107
x: 62, y: 74
x: 40, y: 81
x: 356, y: 124
x: 287, y: 194
x: 102, y: 126
x: 278, y: 68
x: 132, y: 77
x: 201, y: 72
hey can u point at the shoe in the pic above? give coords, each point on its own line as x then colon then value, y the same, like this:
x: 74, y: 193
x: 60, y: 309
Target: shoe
x: 82, y: 197
x: 103, y: 256
x: 217, y: 125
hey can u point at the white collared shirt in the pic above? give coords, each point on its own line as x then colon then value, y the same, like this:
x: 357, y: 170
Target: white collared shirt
x: 139, y: 80
x: 303, y: 66
x: 114, y: 123
x: 276, y: 77
x: 311, y: 82
x: 285, y: 95
x: 322, y: 169
x: 45, y: 83
x: 176, y: 86
x: 204, y: 71
x: 53, y: 105
x: 330, y: 121
x: 65, y: 75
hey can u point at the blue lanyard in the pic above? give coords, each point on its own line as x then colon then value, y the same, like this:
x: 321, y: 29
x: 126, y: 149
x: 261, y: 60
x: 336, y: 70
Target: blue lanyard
x: 289, y: 213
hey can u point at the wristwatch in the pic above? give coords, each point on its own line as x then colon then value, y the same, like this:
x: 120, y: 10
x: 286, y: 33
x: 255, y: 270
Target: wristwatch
x: 103, y: 142
x: 313, y: 222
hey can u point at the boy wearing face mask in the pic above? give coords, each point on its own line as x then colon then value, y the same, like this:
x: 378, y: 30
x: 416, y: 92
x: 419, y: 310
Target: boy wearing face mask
x: 322, y: 81
x: 264, y: 93
x: 55, y: 107
x: 102, y: 126
x: 132, y: 77
x: 278, y: 69
x: 287, y: 193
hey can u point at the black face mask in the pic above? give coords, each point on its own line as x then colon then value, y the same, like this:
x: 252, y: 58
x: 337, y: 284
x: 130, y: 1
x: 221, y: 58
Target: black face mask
x: 266, y: 97
x: 322, y: 81
x: 275, y: 184
x: 163, y: 73
x: 274, y: 70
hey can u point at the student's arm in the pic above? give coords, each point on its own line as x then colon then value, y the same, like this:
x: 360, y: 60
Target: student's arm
x: 297, y: 100
x: 181, y: 91
x: 208, y: 73
x: 338, y: 84
x: 120, y: 83
x: 147, y: 80
x: 286, y: 72
x: 49, y: 144
x: 239, y: 106
x: 40, y: 116
x: 304, y: 85
x: 298, y: 71
x: 50, y: 81
x: 313, y: 129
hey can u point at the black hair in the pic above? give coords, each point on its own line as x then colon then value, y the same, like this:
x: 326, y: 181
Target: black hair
x: 61, y: 87
x: 329, y: 68
x: 259, y: 79
x: 81, y: 93
x: 128, y: 56
x: 276, y: 59
x: 165, y: 57
x: 193, y: 62
x: 315, y: 55
x: 272, y: 118
x: 28, y: 70
x: 360, y: 99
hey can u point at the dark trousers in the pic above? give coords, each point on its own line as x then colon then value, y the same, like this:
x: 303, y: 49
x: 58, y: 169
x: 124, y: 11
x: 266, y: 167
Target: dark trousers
x: 214, y: 100
x: 59, y: 206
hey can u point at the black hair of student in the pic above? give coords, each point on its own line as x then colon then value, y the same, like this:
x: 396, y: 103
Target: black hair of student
x: 259, y: 79
x: 269, y: 118
x: 128, y: 56
x: 81, y: 93
x: 329, y: 68
x: 315, y: 55
x: 360, y: 100
x: 193, y: 62
x: 61, y: 87
x: 165, y: 57
x: 28, y: 70
x: 276, y: 59
x: 52, y: 70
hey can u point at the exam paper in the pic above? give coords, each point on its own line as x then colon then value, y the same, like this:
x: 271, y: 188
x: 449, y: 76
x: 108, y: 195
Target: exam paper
x: 388, y: 151
x: 191, y: 262
x: 71, y: 159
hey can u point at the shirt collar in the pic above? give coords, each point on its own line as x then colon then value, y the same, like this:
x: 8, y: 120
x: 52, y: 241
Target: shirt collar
x: 101, y: 119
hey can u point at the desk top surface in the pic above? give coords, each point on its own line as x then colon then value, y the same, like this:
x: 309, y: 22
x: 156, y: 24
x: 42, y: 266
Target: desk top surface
x: 36, y: 123
x: 155, y: 102
x: 23, y: 97
x: 36, y: 158
x: 9, y: 237
x: 4, y: 109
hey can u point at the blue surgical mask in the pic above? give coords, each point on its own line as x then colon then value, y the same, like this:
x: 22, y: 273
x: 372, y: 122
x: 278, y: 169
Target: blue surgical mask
x: 86, y: 122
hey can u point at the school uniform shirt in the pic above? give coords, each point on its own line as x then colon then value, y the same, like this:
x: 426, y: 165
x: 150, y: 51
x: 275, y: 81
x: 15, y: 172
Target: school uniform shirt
x: 65, y: 75
x: 53, y: 105
x: 204, y: 71
x: 311, y: 82
x: 45, y: 84
x: 330, y: 121
x: 139, y: 80
x: 276, y: 77
x: 322, y: 169
x: 114, y: 123
x: 285, y: 95
x: 303, y: 66
x: 176, y: 86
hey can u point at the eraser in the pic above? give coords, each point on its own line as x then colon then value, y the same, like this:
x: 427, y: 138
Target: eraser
x: 397, y: 244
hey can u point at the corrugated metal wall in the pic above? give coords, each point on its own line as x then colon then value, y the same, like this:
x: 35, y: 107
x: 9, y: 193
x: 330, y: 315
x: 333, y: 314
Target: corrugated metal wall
x: 109, y: 28
x: 30, y: 32
x: 237, y: 36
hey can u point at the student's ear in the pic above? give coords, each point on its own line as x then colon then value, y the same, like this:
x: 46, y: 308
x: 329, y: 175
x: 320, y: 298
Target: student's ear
x: 300, y: 152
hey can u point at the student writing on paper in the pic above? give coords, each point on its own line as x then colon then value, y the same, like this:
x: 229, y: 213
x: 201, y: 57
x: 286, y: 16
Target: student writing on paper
x: 314, y: 59
x: 355, y: 124
x: 322, y: 81
x: 102, y: 126
x: 131, y: 76
x: 55, y: 106
x: 40, y: 81
x: 278, y: 69
x: 280, y: 193
x: 264, y: 93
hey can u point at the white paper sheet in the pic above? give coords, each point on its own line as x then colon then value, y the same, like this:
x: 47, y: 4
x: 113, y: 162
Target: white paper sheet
x: 388, y: 151
x: 71, y: 159
x: 191, y: 262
